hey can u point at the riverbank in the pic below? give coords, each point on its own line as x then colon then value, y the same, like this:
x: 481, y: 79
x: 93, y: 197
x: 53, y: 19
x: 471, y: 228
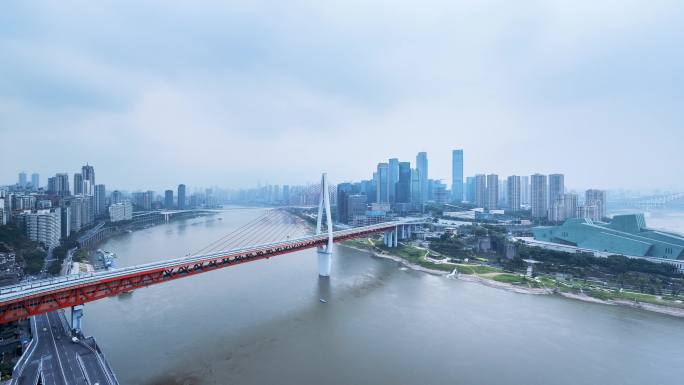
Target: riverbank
x: 668, y: 310
x: 453, y: 274
x: 488, y: 279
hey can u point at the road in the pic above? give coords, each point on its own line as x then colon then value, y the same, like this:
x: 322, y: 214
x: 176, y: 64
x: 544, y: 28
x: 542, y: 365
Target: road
x: 57, y: 360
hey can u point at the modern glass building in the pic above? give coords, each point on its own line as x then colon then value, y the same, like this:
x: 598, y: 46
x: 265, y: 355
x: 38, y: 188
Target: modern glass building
x: 392, y: 179
x: 625, y: 235
x: 382, y: 183
x: 422, y: 166
x: 457, y: 176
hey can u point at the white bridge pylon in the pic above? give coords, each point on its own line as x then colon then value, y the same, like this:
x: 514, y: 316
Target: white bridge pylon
x: 324, y: 252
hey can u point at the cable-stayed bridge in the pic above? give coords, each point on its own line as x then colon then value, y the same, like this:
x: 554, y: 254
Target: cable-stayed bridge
x: 272, y: 234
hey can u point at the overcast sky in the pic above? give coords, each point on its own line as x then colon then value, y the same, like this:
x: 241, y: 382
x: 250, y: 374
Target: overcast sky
x: 231, y: 93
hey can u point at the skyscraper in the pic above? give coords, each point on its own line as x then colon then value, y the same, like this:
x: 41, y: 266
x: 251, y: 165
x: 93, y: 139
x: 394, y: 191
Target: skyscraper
x: 539, y: 197
x: 382, y: 187
x: 480, y: 190
x: 22, y: 179
x: 344, y: 191
x: 181, y: 197
x: 457, y: 175
x: 416, y: 192
x: 100, y: 203
x: 403, y: 185
x: 513, y: 193
x: 168, y: 199
x: 88, y: 173
x: 422, y: 167
x: 556, y: 187
x: 35, y: 181
x: 393, y: 179
x: 492, y: 199
x: 596, y: 198
x: 78, y: 184
x: 61, y: 184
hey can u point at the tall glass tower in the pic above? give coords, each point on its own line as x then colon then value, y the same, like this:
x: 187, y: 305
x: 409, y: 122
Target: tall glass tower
x: 457, y: 176
x: 422, y: 167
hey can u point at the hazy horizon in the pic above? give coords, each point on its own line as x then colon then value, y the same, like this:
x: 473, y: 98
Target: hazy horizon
x: 157, y: 94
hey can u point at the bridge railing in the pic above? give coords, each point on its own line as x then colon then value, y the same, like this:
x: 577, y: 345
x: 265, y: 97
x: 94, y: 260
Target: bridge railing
x: 43, y: 282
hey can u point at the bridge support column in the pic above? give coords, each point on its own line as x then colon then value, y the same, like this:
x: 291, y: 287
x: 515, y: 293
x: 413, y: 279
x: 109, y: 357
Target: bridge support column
x: 324, y: 252
x: 395, y: 237
x: 76, y: 316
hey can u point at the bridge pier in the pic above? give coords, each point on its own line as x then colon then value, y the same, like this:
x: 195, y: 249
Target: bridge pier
x: 391, y: 238
x: 324, y: 263
x: 76, y: 316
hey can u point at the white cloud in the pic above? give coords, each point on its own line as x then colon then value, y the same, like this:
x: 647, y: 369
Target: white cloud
x: 230, y: 94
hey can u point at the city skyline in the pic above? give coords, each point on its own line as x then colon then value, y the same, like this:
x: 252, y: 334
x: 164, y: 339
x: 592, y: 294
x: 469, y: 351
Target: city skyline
x: 305, y: 192
x: 135, y: 110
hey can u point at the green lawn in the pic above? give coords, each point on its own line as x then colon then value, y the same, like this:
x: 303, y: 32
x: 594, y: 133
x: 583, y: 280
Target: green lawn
x: 509, y: 278
x: 476, y: 269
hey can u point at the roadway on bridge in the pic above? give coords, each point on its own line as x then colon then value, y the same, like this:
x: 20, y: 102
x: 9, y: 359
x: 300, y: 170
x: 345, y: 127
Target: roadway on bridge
x: 59, y: 361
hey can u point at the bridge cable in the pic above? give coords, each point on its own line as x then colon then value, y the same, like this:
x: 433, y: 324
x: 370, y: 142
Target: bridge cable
x: 241, y: 229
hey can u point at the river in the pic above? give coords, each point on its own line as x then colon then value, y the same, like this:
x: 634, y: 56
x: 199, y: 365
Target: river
x: 263, y: 323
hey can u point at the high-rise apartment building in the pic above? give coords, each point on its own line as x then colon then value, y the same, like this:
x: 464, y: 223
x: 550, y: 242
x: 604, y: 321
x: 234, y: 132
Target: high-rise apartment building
x: 525, y: 190
x: 4, y: 212
x: 60, y: 184
x: 422, y: 167
x: 571, y: 203
x: 22, y: 179
x: 457, y: 175
x: 470, y: 189
x: 78, y: 184
x: 43, y: 226
x: 480, y: 190
x: 492, y: 199
x: 122, y: 211
x: 117, y: 197
x: 513, y: 193
x: 35, y: 181
x: 556, y: 187
x: 589, y: 211
x: 564, y: 207
x: 168, y: 199
x: 181, y: 197
x: 539, y: 197
x: 596, y: 198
